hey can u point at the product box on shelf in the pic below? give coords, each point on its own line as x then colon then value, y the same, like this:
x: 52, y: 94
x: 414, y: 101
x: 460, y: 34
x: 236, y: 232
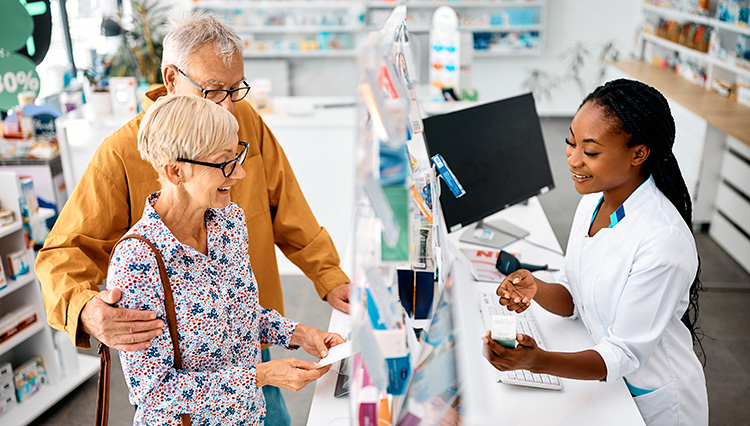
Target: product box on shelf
x: 30, y: 377
x: 3, y: 280
x: 6, y: 372
x: 7, y: 402
x: 7, y: 389
x: 15, y: 321
x: 18, y: 264
x: 27, y: 191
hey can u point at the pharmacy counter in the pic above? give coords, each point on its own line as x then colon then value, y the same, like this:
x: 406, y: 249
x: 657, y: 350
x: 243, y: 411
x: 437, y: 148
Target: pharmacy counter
x: 485, y: 401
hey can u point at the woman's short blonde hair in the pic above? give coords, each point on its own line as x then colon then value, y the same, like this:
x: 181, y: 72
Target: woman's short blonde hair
x: 183, y: 126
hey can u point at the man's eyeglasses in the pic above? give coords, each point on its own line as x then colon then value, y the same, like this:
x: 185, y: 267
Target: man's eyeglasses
x: 218, y: 95
x: 226, y: 167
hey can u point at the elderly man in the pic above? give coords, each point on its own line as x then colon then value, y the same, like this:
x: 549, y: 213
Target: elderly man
x: 203, y: 57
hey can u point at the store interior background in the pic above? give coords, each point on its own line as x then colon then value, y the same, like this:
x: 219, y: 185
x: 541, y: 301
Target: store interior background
x: 593, y: 23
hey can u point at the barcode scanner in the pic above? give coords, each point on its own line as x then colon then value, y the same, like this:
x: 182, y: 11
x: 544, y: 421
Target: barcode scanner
x: 507, y: 264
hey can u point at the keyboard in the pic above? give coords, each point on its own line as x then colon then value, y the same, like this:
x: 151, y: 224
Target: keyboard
x: 525, y: 324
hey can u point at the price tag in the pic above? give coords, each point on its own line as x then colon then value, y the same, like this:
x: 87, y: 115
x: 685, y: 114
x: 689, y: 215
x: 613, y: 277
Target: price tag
x: 17, y: 74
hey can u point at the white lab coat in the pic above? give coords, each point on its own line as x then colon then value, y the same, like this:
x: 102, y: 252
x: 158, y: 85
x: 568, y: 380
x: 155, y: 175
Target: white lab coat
x: 630, y: 286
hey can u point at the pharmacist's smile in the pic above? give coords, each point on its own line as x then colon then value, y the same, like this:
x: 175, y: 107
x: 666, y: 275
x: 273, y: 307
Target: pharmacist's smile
x: 579, y: 178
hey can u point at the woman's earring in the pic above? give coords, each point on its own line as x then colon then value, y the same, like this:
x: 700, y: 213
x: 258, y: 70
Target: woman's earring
x: 179, y: 183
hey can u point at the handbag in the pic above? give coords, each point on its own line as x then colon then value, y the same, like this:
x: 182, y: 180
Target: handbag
x: 102, y: 396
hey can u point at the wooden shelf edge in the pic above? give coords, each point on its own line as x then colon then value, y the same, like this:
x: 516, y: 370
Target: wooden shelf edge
x: 725, y: 115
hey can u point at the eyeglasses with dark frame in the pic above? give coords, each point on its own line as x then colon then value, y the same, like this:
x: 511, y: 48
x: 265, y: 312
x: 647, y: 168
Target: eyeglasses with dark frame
x: 227, y: 167
x: 218, y: 95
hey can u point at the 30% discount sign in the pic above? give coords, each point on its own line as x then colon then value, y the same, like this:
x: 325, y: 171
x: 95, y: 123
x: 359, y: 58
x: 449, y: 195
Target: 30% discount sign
x: 17, y: 74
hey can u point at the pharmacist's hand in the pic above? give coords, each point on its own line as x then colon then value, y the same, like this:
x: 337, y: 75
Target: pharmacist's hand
x: 288, y: 373
x: 524, y: 357
x: 313, y: 341
x: 119, y: 328
x: 517, y: 290
x: 339, y: 297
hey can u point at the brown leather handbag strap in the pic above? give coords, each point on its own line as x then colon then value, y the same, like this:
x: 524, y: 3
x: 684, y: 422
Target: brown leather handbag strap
x: 102, y: 399
x: 102, y: 394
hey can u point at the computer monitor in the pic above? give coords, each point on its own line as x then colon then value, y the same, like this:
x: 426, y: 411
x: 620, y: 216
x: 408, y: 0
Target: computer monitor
x: 497, y: 152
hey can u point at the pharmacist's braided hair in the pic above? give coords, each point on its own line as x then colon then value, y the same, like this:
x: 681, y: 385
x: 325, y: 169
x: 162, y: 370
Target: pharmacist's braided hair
x: 644, y: 113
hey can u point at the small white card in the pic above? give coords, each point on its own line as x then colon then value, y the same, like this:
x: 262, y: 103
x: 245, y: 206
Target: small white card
x: 337, y: 353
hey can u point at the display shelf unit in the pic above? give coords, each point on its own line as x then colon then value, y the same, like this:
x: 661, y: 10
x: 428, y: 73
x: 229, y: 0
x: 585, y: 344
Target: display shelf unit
x: 49, y: 396
x: 281, y: 4
x: 293, y: 29
x: 10, y: 228
x: 304, y: 29
x: 679, y: 15
x: 14, y: 285
x: 36, y: 338
x: 729, y: 69
x: 724, y: 64
x: 480, y: 16
x: 429, y: 4
x: 321, y: 54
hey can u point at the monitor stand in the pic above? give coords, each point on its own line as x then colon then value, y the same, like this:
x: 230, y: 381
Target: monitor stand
x: 497, y: 233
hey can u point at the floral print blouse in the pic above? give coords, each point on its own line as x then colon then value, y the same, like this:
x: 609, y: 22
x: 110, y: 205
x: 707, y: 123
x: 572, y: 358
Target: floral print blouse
x: 220, y: 323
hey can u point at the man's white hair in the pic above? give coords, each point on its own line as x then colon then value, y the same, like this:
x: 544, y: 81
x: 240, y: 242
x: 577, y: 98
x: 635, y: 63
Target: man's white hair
x: 183, y: 126
x: 191, y: 31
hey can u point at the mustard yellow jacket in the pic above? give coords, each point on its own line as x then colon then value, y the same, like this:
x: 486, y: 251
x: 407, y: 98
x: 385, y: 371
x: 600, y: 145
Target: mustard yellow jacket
x: 110, y: 198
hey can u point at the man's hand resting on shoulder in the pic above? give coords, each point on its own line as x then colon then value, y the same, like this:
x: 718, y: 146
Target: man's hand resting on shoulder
x: 119, y: 328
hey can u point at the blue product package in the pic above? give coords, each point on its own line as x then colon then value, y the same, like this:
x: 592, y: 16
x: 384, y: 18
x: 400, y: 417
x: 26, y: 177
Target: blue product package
x: 398, y: 372
x: 450, y: 179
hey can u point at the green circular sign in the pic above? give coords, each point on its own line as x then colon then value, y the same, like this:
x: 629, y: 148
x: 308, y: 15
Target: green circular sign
x: 17, y: 74
x: 16, y: 26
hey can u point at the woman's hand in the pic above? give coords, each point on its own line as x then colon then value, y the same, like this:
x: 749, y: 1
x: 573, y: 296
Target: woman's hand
x: 288, y: 373
x: 517, y: 290
x: 524, y: 357
x: 313, y: 341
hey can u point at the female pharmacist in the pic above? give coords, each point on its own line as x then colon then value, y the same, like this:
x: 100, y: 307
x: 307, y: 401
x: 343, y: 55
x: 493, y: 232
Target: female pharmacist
x: 631, y: 269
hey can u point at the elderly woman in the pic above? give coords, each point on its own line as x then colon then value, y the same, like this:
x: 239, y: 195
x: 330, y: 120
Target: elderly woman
x: 202, y: 237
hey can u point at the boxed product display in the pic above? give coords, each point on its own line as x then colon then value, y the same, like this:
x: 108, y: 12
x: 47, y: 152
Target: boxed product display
x: 7, y: 389
x: 3, y: 280
x: 7, y: 402
x: 18, y: 264
x: 6, y: 217
x: 27, y: 191
x: 16, y: 320
x: 30, y: 377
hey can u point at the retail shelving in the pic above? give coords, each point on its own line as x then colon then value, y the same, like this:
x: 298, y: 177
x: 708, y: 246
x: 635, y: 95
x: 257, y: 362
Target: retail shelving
x: 348, y: 53
x: 679, y: 15
x: 293, y: 29
x: 36, y: 338
x: 275, y: 32
x: 10, y: 228
x: 718, y: 63
x: 49, y: 396
x: 724, y: 64
x: 524, y: 19
x: 430, y: 4
x: 14, y: 285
